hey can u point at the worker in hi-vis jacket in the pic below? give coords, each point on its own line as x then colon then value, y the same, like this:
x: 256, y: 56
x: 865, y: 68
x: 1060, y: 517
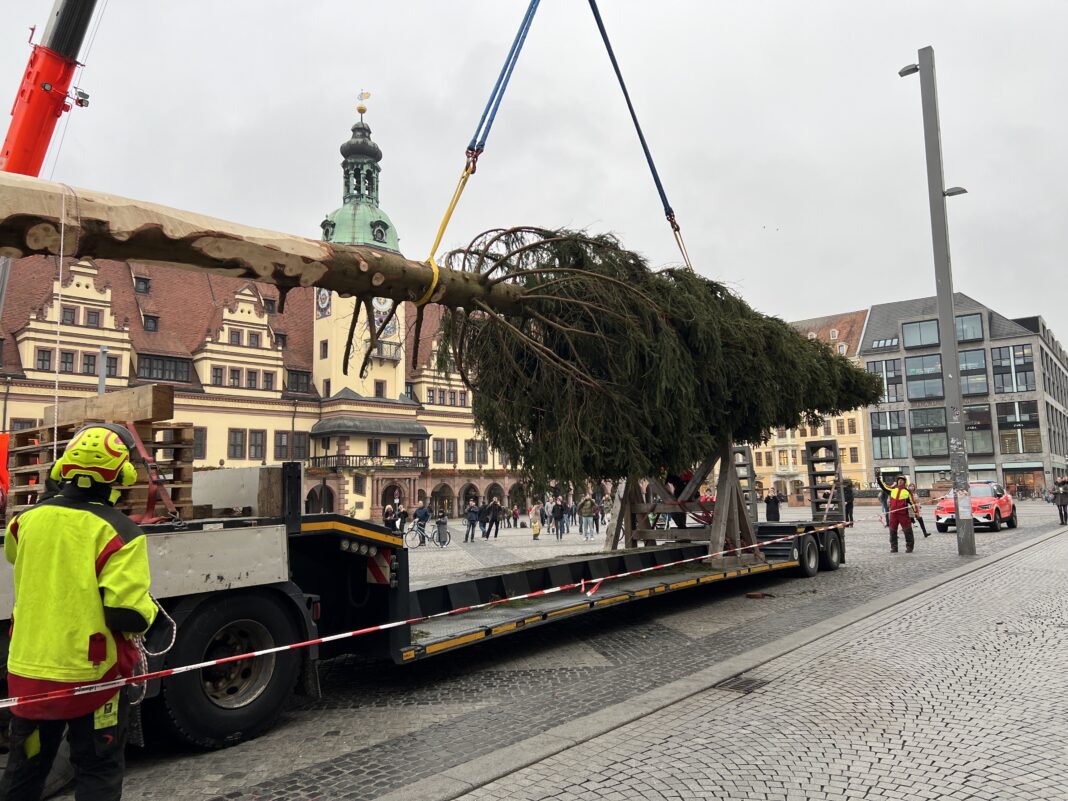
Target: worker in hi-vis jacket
x: 81, y: 594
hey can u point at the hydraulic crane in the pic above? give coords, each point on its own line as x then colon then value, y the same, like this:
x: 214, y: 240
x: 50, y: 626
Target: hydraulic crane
x: 44, y: 94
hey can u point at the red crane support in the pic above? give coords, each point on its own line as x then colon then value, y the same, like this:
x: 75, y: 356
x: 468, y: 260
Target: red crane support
x: 43, y: 94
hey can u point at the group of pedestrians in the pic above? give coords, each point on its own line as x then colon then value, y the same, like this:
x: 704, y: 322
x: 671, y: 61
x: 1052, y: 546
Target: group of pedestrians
x: 558, y: 516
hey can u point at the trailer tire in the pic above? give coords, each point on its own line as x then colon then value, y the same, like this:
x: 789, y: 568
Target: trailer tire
x: 222, y: 706
x: 831, y: 557
x: 808, y: 554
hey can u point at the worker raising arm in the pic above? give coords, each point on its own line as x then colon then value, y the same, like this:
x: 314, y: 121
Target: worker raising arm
x: 901, y: 500
x: 81, y: 593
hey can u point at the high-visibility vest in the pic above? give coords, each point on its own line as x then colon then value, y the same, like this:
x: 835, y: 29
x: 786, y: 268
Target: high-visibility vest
x: 81, y: 582
x: 900, y: 499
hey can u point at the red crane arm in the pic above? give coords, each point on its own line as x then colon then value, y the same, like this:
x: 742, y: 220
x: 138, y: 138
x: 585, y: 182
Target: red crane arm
x: 42, y: 95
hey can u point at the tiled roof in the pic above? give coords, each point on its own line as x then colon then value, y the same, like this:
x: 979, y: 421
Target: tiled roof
x: 188, y: 304
x: 884, y: 319
x: 849, y: 325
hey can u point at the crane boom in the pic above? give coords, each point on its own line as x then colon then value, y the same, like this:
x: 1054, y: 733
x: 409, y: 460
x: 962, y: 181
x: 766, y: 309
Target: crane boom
x: 42, y: 97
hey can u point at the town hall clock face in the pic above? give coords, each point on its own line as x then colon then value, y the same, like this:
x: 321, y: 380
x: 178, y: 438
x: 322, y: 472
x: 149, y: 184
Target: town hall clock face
x: 322, y: 302
x: 382, y: 307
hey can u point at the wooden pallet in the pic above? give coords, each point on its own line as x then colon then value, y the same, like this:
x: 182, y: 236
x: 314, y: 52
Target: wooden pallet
x: 170, y: 443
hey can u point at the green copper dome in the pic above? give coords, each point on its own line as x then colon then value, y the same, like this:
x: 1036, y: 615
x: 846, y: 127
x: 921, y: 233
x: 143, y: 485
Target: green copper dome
x: 360, y: 221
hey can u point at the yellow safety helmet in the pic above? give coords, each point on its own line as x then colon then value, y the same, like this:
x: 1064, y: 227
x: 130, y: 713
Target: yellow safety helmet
x: 98, y: 453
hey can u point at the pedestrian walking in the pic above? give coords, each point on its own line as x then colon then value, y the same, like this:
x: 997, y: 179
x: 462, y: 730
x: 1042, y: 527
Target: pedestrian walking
x: 515, y: 516
x: 493, y: 518
x: 847, y: 492
x: 558, y: 518
x: 535, y: 514
x: 443, y: 530
x: 915, y: 511
x: 771, y: 507
x: 389, y: 518
x: 471, y: 513
x: 81, y: 593
x: 587, y: 507
x: 402, y: 518
x: 1060, y: 498
x: 899, y: 500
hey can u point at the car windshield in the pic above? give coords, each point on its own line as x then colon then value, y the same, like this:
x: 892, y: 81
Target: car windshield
x: 982, y: 490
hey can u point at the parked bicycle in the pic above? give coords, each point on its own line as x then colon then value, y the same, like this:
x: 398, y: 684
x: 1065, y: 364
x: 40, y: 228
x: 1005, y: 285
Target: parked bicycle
x: 416, y: 536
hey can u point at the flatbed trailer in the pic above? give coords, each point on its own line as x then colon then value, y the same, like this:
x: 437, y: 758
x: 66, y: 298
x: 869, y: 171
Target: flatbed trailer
x: 238, y: 585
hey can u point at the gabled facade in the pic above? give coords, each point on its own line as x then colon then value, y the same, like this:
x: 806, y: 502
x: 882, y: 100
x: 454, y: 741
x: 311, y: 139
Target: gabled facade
x: 261, y: 383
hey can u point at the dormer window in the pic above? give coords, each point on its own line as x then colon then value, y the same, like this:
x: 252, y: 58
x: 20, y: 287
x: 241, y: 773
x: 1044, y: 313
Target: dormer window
x: 269, y: 305
x: 280, y: 341
x: 834, y: 333
x: 811, y: 334
x: 151, y: 322
x: 378, y: 230
x: 141, y: 285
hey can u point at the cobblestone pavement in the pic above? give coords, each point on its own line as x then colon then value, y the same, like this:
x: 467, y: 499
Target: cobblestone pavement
x: 379, y: 727
x: 960, y: 693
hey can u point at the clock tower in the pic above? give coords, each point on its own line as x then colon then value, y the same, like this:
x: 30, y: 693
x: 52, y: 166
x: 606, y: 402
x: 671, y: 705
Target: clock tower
x: 359, y: 221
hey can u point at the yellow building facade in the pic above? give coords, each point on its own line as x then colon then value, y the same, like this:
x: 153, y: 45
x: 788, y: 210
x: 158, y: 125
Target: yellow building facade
x: 262, y: 378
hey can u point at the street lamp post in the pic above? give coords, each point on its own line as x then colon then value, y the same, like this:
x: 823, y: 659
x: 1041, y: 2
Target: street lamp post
x: 947, y: 325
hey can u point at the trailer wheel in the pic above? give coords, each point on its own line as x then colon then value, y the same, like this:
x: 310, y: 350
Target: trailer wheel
x: 224, y: 705
x: 808, y: 554
x: 831, y: 557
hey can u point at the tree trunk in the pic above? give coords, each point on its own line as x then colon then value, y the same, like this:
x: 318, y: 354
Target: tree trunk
x: 110, y: 227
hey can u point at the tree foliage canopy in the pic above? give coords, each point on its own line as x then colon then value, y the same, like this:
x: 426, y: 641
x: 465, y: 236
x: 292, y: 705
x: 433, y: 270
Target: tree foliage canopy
x: 610, y: 369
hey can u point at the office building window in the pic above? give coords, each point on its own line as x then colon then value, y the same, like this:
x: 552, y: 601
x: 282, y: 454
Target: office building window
x: 200, y: 442
x: 418, y: 447
x: 430, y: 395
x: 978, y: 431
x: 235, y: 443
x: 280, y: 341
x: 163, y: 368
x: 257, y: 444
x: 759, y: 459
x: 463, y: 398
x: 113, y: 366
x: 839, y: 426
x: 1013, y: 368
x: 374, y: 447
x: 469, y: 451
x: 784, y: 458
x: 923, y: 376
x: 216, y: 376
x: 326, y: 388
x: 973, y: 372
x: 826, y: 428
x: 890, y: 370
x: 888, y: 435
x: 969, y: 327
x: 89, y: 363
x: 441, y: 397
x: 359, y: 485
x: 929, y: 432
x: 452, y: 398
x: 1018, y: 427
x: 920, y: 335
x: 269, y: 305
x: 92, y: 319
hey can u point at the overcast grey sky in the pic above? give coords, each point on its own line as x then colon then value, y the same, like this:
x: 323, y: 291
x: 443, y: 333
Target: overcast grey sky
x: 789, y: 147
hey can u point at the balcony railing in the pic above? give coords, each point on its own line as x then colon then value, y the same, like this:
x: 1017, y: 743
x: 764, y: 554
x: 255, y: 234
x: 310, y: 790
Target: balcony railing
x: 391, y: 351
x: 377, y: 462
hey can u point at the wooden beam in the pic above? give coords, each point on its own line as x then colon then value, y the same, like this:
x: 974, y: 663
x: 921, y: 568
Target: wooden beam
x: 110, y: 227
x: 147, y: 404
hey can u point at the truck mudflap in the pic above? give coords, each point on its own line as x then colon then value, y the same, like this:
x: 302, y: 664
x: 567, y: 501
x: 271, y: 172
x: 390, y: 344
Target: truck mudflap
x: 439, y: 635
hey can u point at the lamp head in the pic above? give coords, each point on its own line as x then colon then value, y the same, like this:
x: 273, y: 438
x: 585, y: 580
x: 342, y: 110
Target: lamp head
x: 911, y: 69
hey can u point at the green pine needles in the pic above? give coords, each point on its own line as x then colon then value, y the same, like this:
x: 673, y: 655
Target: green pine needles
x: 611, y: 370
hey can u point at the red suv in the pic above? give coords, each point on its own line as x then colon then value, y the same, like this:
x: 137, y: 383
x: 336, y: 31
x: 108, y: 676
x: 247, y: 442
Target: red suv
x: 991, y: 506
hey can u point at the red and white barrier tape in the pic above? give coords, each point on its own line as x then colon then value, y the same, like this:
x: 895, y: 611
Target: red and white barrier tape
x: 115, y: 684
